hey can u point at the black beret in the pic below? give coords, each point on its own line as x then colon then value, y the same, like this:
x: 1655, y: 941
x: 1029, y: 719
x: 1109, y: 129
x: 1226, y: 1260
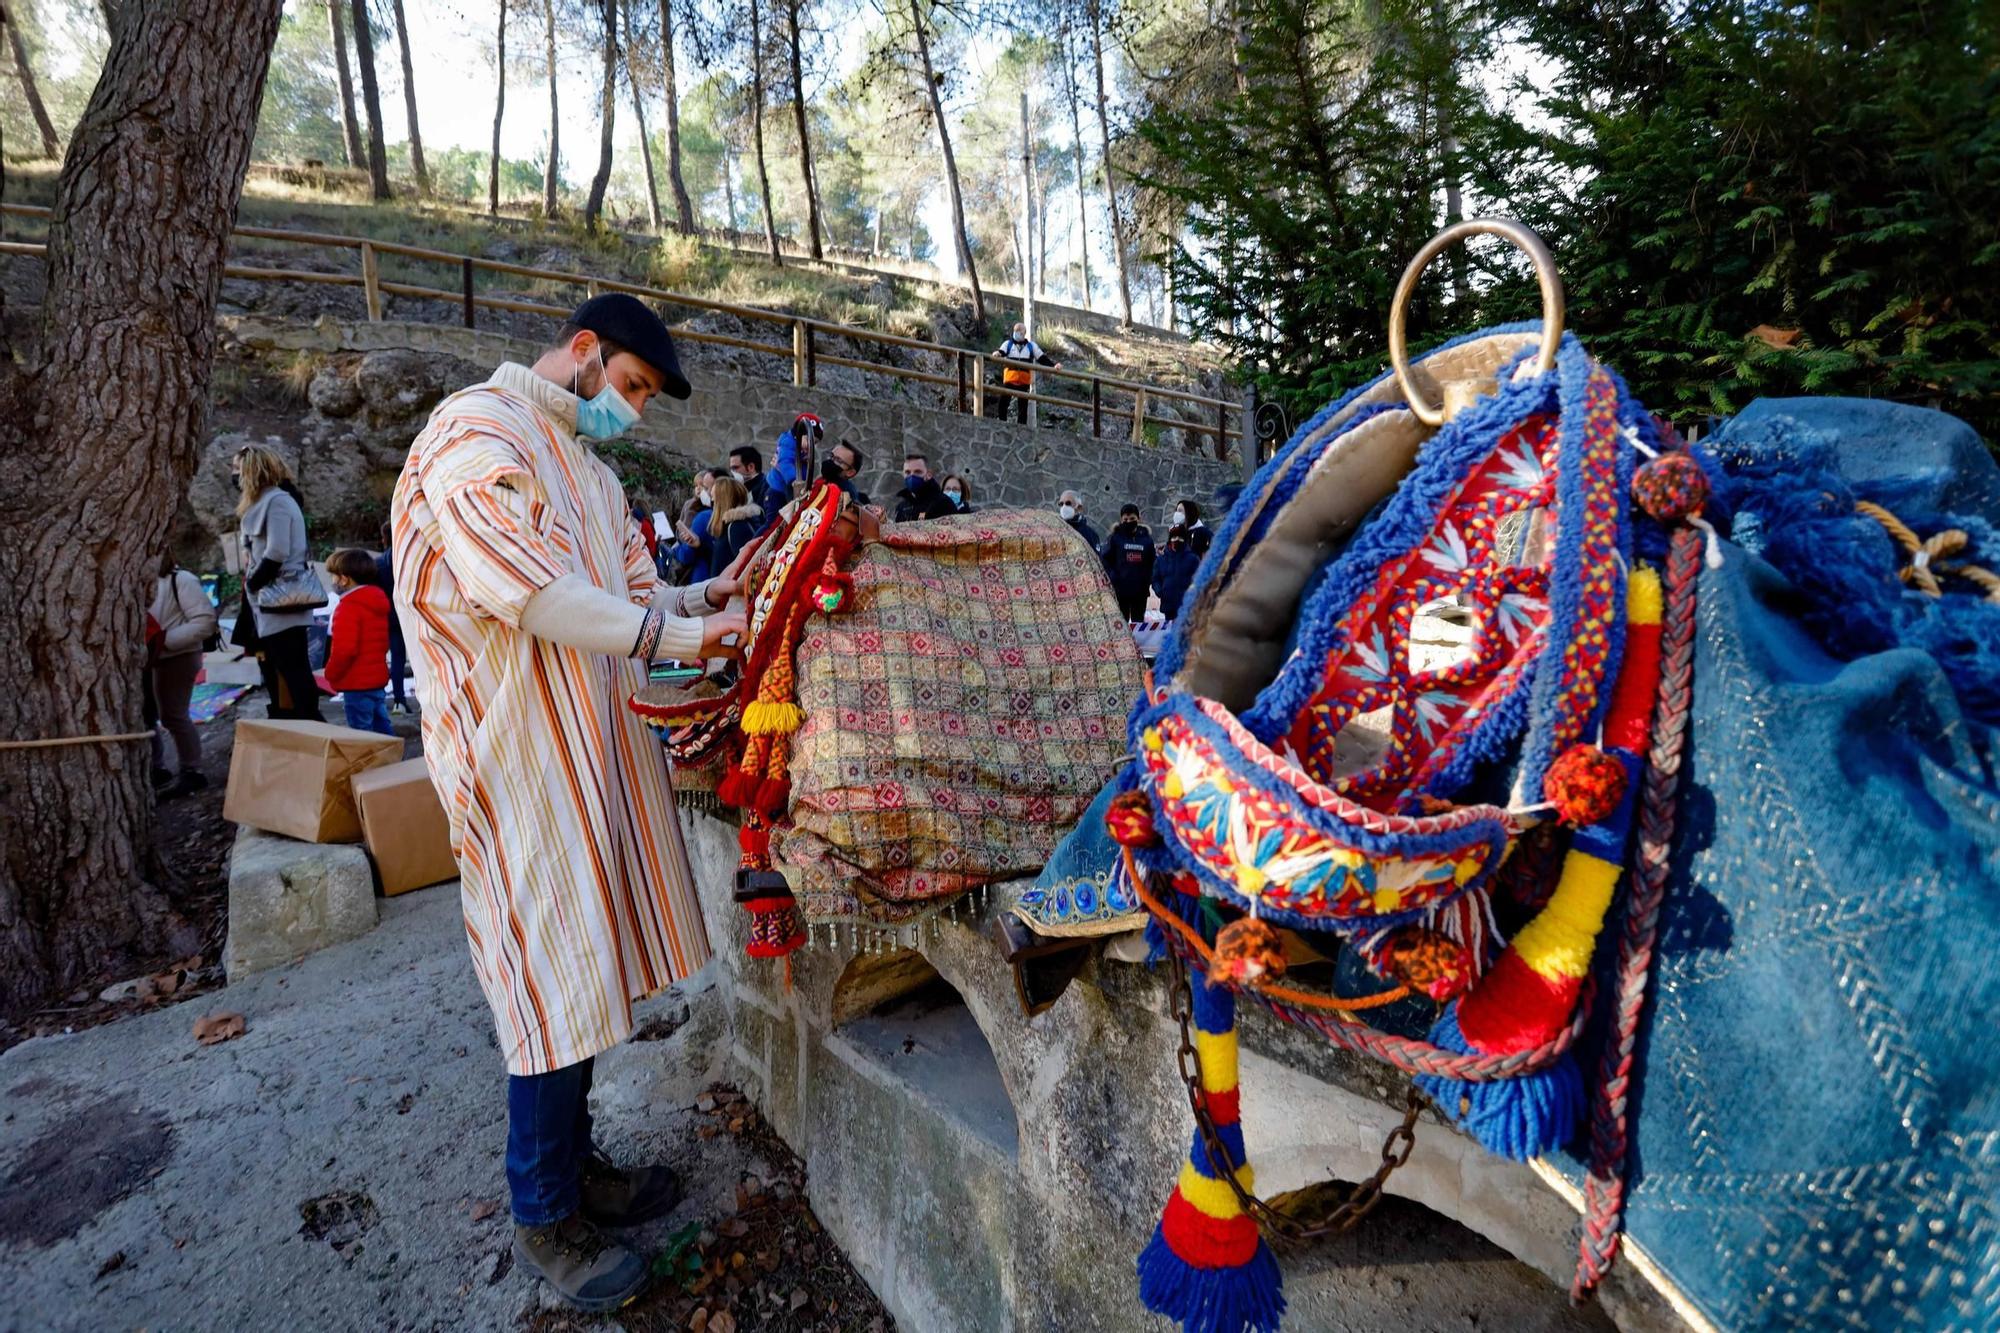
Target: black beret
x: 626, y: 320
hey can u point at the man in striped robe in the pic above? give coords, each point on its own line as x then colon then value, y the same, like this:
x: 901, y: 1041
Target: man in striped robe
x: 533, y: 610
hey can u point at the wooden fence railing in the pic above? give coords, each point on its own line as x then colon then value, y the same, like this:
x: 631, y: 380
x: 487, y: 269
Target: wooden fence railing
x: 971, y: 370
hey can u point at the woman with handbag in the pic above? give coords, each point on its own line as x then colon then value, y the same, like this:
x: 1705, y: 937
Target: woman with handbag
x: 186, y: 620
x: 280, y: 587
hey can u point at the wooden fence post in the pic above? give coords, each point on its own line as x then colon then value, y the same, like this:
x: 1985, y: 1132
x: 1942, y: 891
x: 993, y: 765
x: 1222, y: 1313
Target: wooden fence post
x: 979, y: 386
x: 1139, y: 416
x: 465, y: 270
x: 812, y: 356
x: 1221, y: 431
x: 1252, y: 442
x: 960, y: 360
x: 371, y: 283
x: 799, y: 380
x: 1096, y: 408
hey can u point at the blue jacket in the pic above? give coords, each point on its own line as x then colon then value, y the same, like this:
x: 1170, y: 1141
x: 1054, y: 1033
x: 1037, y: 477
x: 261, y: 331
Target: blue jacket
x: 1173, y: 570
x: 695, y: 558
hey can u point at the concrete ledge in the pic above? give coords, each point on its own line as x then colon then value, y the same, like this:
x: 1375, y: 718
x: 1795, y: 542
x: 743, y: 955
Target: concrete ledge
x: 289, y: 898
x: 954, y: 1235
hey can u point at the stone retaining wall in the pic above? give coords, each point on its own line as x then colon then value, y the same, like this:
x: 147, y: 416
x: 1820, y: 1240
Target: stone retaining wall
x: 1007, y: 463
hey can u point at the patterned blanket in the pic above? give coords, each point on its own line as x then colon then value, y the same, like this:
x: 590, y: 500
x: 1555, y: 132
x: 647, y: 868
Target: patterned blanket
x: 960, y: 716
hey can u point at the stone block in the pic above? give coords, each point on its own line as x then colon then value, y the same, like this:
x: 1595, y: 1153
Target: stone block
x: 289, y: 898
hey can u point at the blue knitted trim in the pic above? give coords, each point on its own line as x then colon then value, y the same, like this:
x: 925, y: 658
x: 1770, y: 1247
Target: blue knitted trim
x: 1232, y: 1144
x: 1453, y: 843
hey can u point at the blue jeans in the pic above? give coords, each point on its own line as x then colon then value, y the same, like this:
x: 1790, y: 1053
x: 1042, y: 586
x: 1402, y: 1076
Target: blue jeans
x: 367, y: 710
x: 548, y: 1136
x: 399, y: 659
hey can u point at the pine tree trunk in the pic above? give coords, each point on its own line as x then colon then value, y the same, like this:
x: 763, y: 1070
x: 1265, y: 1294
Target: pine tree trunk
x: 757, y: 128
x: 410, y: 104
x: 555, y: 119
x: 101, y: 425
x: 639, y: 115
x: 805, y: 140
x: 499, y: 106
x: 1076, y: 141
x: 1110, y: 176
x: 950, y: 167
x: 593, y: 207
x: 29, y: 88
x: 371, y: 101
x: 350, y: 126
x: 729, y: 190
x: 683, y: 205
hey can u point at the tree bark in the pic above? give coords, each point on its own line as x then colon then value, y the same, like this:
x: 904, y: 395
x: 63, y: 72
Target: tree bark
x: 639, y: 114
x: 371, y: 101
x: 350, y: 126
x: 499, y: 106
x: 101, y: 425
x: 805, y: 139
x: 729, y: 189
x: 683, y: 205
x: 950, y: 166
x: 555, y: 119
x: 410, y: 103
x: 29, y: 88
x: 1076, y: 141
x: 594, y: 206
x: 757, y: 128
x: 1110, y: 176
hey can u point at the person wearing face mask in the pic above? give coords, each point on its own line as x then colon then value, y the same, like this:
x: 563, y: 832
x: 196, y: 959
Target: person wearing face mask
x: 690, y: 552
x: 1070, y: 506
x: 1128, y: 559
x: 1187, y: 517
x: 534, y: 613
x: 922, y: 497
x: 1173, y: 571
x: 957, y: 490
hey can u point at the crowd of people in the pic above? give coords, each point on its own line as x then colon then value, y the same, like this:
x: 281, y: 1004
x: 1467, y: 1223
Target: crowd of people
x: 1137, y: 565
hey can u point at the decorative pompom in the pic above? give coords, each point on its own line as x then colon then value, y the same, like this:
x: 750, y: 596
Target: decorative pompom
x: 1248, y: 951
x: 1521, y: 1118
x: 1585, y: 785
x: 1427, y: 961
x: 772, y: 717
x: 1130, y: 820
x: 775, y: 928
x: 1671, y: 487
x: 831, y: 590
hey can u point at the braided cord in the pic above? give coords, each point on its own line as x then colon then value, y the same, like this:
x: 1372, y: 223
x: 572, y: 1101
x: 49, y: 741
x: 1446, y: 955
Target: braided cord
x: 1604, y: 1187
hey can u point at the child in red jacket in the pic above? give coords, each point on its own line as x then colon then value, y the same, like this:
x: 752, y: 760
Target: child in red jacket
x: 357, y: 660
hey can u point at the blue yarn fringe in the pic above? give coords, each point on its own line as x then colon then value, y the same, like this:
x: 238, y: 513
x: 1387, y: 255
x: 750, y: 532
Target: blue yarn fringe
x: 1212, y: 1300
x: 1519, y: 1118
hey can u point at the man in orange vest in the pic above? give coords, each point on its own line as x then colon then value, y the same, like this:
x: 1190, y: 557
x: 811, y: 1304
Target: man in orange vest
x: 1019, y: 352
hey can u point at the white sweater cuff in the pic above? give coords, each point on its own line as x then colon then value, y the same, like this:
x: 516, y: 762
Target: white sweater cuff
x: 576, y: 613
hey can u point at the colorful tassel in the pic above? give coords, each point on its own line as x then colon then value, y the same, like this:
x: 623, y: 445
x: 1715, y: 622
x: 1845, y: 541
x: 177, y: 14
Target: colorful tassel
x: 775, y: 928
x: 1207, y: 1267
x: 772, y: 717
x: 1248, y: 951
x: 1529, y: 996
x: 1584, y: 784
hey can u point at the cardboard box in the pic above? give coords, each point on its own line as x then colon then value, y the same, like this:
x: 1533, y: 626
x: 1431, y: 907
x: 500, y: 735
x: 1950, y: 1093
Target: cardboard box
x: 295, y: 778
x: 403, y: 826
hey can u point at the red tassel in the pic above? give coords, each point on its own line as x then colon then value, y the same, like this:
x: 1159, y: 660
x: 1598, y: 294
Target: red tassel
x: 773, y: 795
x: 1202, y: 1241
x: 755, y: 840
x: 1516, y: 1008
x: 1627, y: 721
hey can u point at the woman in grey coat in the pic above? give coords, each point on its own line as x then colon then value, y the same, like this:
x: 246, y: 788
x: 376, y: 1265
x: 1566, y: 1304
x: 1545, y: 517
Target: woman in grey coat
x: 274, y: 546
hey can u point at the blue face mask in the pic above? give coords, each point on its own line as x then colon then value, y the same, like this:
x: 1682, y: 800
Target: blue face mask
x: 606, y: 416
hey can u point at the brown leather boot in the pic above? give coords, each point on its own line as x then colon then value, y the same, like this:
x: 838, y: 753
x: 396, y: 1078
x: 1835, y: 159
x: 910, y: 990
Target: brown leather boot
x: 587, y: 1268
x: 614, y: 1197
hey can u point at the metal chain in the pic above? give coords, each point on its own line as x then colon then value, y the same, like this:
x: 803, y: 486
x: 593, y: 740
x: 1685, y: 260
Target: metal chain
x: 1280, y: 1225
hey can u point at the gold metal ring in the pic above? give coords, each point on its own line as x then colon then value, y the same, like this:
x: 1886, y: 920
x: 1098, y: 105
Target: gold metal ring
x: 1545, y: 275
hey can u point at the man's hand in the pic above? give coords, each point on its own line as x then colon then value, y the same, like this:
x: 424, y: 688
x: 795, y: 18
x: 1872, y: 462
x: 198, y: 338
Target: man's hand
x: 719, y: 590
x: 730, y: 625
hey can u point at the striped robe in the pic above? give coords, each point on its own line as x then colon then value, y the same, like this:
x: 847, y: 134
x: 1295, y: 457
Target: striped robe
x: 577, y: 892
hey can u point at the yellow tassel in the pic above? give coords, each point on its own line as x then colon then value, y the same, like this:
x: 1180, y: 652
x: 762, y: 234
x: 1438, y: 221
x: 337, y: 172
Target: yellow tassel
x: 772, y: 717
x: 1559, y: 941
x: 1643, y: 597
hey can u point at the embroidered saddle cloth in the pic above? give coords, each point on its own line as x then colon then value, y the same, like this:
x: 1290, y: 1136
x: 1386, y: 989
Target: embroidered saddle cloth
x: 960, y: 713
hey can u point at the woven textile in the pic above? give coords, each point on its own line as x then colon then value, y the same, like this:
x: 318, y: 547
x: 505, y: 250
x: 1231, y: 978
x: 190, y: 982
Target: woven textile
x: 960, y: 717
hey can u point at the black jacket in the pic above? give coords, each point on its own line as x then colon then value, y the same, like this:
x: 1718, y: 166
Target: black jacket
x: 1088, y: 533
x: 737, y: 528
x: 1172, y: 572
x: 925, y: 500
x: 1128, y: 559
